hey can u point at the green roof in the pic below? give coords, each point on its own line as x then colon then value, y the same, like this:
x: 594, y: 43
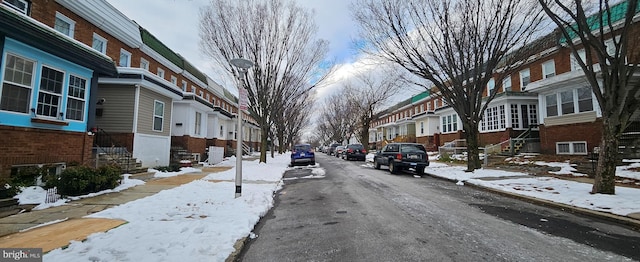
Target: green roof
x: 173, y: 57
x: 193, y: 71
x: 230, y: 96
x: 420, y: 96
x: 618, y: 13
x: 155, y: 44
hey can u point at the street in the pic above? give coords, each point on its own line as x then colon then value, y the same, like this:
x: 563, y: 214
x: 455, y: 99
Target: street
x: 356, y: 213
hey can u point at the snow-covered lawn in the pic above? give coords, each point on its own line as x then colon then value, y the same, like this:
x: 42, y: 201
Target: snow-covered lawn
x: 198, y: 221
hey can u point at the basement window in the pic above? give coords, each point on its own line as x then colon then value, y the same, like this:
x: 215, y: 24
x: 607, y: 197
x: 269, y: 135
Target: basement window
x: 571, y: 148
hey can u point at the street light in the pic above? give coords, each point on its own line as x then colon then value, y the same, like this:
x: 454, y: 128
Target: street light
x: 242, y: 65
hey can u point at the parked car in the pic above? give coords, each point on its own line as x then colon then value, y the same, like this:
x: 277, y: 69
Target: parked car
x: 332, y: 149
x: 302, y: 154
x: 339, y: 150
x: 398, y: 156
x: 355, y: 151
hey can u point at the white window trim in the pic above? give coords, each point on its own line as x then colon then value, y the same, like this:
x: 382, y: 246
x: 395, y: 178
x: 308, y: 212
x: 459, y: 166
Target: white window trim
x: 506, y: 80
x: 174, y: 80
x: 571, y: 147
x: 491, y: 85
x: 153, y: 126
x: 26, y: 5
x: 32, y: 89
x: 546, y: 74
x: 101, y: 39
x: 72, y: 24
x: 144, y: 64
x: 160, y: 72
x: 62, y: 94
x: 522, y: 86
x: 184, y: 85
x: 574, y: 62
x: 128, y: 62
x: 84, y: 100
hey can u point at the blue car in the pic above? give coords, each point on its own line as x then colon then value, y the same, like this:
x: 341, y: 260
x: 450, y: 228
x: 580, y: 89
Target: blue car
x: 302, y: 154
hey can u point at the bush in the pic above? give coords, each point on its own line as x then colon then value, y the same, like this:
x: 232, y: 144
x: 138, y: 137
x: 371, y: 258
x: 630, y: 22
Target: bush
x: 83, y: 180
x: 173, y: 167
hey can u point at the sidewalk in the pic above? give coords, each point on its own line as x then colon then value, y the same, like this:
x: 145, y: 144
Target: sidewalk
x: 567, y: 193
x: 55, y: 227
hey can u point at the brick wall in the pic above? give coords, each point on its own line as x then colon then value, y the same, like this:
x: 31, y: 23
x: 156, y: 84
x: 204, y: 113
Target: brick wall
x: 444, y: 138
x: 191, y: 144
x: 26, y: 146
x: 590, y: 132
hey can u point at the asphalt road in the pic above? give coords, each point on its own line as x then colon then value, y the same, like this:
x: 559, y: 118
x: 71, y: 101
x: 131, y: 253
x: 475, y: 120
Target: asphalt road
x: 357, y: 213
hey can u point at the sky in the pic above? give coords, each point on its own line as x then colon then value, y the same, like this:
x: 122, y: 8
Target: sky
x: 176, y: 24
x: 202, y: 220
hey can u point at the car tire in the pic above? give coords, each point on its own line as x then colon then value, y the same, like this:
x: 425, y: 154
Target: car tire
x: 313, y: 163
x: 420, y: 171
x: 376, y: 165
x: 393, y: 169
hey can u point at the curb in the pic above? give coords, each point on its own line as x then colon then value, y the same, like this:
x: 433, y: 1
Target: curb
x: 634, y: 223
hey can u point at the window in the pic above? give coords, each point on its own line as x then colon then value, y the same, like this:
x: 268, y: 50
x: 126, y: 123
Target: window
x: 50, y: 94
x: 450, y: 123
x: 533, y: 115
x: 585, y: 99
x: 221, y: 131
x: 174, y: 80
x: 574, y: 62
x: 515, y: 116
x: 193, y: 89
x: 421, y: 108
x: 552, y: 105
x: 421, y: 128
x: 198, y: 125
x: 158, y: 115
x: 491, y: 85
x: 208, y: 97
x: 21, y: 5
x: 548, y: 69
x: 525, y: 78
x: 125, y: 58
x: 64, y: 25
x: 506, y: 83
x: 99, y: 43
x: 566, y: 102
x: 503, y: 119
x: 144, y: 64
x: 76, y: 98
x: 201, y: 93
x: 160, y: 72
x: 17, y: 84
x: 184, y: 86
x: 494, y: 119
x: 571, y: 148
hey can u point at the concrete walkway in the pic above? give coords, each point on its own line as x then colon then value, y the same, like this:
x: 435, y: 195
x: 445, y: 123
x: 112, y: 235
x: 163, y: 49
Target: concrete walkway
x: 54, y: 227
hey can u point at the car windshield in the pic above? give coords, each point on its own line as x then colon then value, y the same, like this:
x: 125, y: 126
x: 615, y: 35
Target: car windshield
x: 412, y: 148
x: 302, y: 148
x: 356, y: 146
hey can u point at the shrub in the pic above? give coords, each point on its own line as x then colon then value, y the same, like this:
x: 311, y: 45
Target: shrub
x: 83, y: 180
x: 173, y: 167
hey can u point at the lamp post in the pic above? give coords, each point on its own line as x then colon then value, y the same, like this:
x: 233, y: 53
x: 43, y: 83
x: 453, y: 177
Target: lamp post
x: 242, y: 65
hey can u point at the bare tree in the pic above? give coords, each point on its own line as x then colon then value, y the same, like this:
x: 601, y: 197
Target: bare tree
x: 279, y: 37
x: 613, y: 80
x: 337, y: 117
x: 456, y: 45
x: 368, y: 93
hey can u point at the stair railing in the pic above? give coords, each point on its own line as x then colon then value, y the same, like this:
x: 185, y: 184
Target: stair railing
x: 106, y: 145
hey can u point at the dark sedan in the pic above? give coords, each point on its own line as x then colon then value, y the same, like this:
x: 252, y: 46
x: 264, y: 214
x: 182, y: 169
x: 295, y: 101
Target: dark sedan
x: 355, y: 151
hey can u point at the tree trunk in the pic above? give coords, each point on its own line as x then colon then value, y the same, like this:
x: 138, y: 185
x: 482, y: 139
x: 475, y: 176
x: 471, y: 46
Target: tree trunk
x: 471, y: 135
x: 263, y: 143
x: 605, y: 178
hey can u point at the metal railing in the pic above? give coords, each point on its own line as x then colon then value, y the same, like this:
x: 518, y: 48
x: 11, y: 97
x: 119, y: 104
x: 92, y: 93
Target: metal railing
x: 108, y: 149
